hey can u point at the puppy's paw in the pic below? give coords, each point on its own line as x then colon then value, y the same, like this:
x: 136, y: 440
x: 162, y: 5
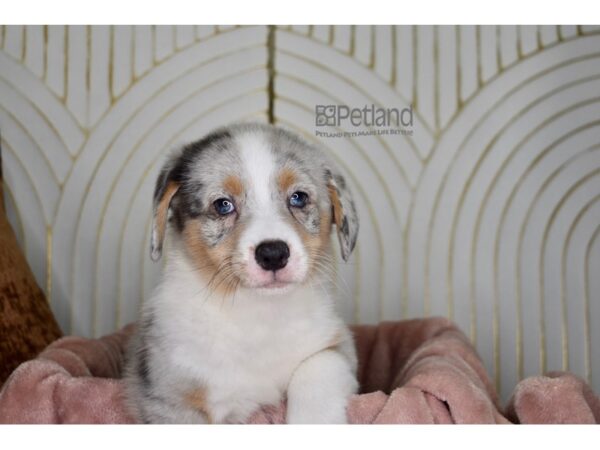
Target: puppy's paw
x: 317, y: 411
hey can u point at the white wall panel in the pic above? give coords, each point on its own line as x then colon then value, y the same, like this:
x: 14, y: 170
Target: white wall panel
x: 489, y: 214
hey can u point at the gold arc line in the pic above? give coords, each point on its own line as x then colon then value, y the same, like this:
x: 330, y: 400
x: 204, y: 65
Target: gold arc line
x: 496, y: 246
x: 45, y: 118
x: 555, y: 211
x: 394, y: 62
x: 482, y: 156
x: 563, y: 294
x: 165, y: 86
x: 33, y: 140
x: 510, y: 66
x: 468, y: 136
x: 508, y: 204
x: 36, y: 192
x: 472, y: 130
x: 587, y: 304
x: 415, y: 67
x: 528, y: 214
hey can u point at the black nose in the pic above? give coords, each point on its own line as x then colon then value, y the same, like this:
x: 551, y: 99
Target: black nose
x: 272, y: 255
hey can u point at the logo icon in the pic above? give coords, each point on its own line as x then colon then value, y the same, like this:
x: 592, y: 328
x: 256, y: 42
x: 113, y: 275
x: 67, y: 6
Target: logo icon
x: 325, y: 115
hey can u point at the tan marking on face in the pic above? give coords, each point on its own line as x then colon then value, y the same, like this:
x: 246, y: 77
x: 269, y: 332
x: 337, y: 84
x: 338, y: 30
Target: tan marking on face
x: 213, y: 263
x: 163, y: 208
x: 233, y: 185
x: 198, y: 400
x: 287, y: 177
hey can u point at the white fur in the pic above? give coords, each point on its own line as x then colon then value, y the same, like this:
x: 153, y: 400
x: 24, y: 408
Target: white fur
x: 252, y: 350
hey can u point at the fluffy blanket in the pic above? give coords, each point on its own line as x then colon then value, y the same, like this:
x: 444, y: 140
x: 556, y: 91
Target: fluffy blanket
x: 417, y: 371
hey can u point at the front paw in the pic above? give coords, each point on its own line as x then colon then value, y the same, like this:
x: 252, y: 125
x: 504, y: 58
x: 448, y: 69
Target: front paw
x: 315, y: 411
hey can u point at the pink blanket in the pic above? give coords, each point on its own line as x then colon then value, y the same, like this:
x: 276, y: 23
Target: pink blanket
x: 417, y: 371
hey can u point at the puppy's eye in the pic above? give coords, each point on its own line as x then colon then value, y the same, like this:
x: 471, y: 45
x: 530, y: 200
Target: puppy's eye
x: 299, y: 199
x: 224, y: 206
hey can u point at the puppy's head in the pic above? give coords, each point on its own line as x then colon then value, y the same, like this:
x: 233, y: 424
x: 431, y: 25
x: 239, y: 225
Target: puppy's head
x: 253, y: 206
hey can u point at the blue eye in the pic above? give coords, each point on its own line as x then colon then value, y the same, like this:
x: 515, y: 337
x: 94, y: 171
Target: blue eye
x: 224, y: 206
x: 299, y: 199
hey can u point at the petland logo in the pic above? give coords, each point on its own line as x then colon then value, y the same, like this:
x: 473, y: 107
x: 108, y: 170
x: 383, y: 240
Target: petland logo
x: 370, y: 120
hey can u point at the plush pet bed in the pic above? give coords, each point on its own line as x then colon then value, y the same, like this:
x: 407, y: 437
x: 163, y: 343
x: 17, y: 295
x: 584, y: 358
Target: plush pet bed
x: 417, y: 371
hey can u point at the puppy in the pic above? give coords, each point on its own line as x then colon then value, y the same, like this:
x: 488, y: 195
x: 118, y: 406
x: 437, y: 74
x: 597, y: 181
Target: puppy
x: 242, y: 317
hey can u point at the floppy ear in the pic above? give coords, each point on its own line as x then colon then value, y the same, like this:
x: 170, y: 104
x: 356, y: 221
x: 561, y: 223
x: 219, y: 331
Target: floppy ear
x: 343, y: 211
x: 165, y: 189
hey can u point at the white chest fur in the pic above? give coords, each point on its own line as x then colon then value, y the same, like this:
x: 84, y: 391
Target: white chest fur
x: 243, y: 349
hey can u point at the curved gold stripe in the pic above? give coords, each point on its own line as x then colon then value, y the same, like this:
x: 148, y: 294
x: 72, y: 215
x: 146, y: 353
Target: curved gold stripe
x: 563, y: 295
x: 415, y: 67
x: 497, y: 244
x: 549, y: 224
x: 200, y: 42
x: 461, y: 147
x: 35, y: 191
x: 38, y: 145
x: 155, y: 64
x: 34, y: 106
x: 495, y: 325
x: 465, y: 103
x: 521, y: 234
x: 488, y: 191
x: 490, y: 187
x: 449, y: 169
x: 588, y: 341
x: 155, y: 94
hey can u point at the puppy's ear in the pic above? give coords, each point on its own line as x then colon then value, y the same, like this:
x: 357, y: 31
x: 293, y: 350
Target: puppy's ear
x: 166, y: 188
x: 343, y: 212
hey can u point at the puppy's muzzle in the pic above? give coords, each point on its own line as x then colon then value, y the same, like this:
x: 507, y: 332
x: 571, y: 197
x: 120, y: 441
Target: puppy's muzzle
x: 272, y: 255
